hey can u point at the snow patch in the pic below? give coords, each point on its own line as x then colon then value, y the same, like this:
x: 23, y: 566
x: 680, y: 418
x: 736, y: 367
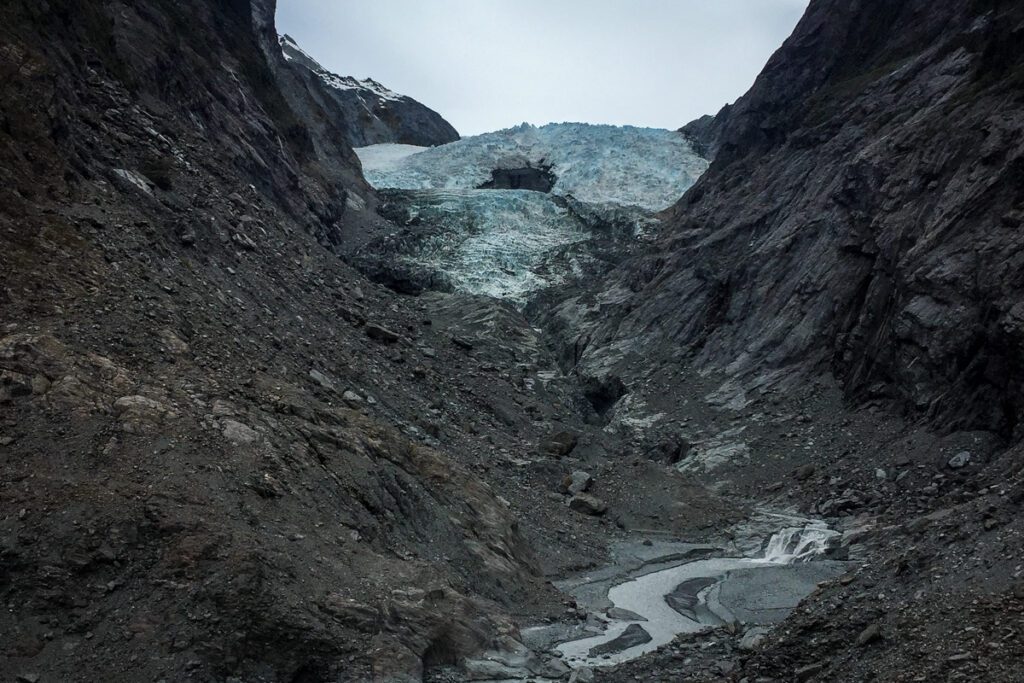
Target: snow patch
x: 386, y: 157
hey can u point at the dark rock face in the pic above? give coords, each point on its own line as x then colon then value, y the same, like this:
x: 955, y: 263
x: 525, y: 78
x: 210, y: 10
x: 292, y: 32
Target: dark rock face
x: 187, y: 374
x: 529, y: 178
x: 705, y: 133
x: 366, y: 111
x: 863, y: 214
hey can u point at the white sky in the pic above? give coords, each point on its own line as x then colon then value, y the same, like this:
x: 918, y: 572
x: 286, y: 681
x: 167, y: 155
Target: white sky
x: 490, y: 64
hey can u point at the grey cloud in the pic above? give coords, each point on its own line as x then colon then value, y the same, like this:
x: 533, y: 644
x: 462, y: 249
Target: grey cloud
x: 490, y: 64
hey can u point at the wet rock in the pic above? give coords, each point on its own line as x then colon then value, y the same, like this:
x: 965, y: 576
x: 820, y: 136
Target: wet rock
x: 559, y: 444
x: 381, y: 334
x: 840, y: 553
x: 624, y: 615
x: 490, y: 670
x: 633, y: 635
x: 576, y: 483
x: 588, y: 505
x: 683, y: 597
x: 513, y: 661
x: 959, y: 461
x: 554, y: 668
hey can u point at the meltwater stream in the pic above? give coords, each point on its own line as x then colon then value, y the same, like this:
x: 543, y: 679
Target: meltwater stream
x: 710, y: 592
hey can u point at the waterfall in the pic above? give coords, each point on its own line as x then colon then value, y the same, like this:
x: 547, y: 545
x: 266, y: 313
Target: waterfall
x: 798, y: 544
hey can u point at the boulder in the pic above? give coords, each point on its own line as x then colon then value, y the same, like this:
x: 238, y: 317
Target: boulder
x: 587, y: 504
x: 576, y: 483
x: 584, y: 674
x: 633, y: 635
x: 754, y: 638
x: 140, y: 404
x: 381, y: 334
x: 323, y: 380
x: 804, y: 472
x: 238, y: 433
x: 559, y: 444
x: 352, y: 399
x: 624, y: 615
x: 869, y: 635
x: 959, y: 461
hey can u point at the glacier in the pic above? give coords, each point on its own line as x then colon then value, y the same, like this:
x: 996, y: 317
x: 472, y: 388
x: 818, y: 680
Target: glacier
x: 500, y: 242
x: 645, y: 167
x: 489, y: 242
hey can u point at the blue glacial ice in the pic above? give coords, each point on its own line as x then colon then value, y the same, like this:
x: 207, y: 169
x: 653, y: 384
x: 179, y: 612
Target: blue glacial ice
x: 498, y: 242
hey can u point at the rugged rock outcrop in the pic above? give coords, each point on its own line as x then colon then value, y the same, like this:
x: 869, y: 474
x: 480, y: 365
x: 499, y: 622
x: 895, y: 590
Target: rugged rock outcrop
x: 226, y: 454
x: 366, y: 111
x: 190, y: 489
x: 863, y: 214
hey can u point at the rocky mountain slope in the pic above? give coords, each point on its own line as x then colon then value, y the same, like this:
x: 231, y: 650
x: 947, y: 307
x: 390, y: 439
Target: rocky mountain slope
x: 369, y: 113
x: 862, y: 215
x: 225, y: 454
x: 516, y: 211
x: 852, y: 251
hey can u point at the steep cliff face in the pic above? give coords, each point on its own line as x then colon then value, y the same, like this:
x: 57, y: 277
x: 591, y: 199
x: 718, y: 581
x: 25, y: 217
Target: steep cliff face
x: 863, y: 214
x: 367, y: 112
x: 145, y: 66
x: 207, y: 432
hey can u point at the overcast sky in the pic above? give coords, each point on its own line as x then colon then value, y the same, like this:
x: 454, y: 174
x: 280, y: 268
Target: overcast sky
x: 490, y: 64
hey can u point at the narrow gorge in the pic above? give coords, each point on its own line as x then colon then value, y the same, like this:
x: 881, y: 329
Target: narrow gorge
x: 299, y: 384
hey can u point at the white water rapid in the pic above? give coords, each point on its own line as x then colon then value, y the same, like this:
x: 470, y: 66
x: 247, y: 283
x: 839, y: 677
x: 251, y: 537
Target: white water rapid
x: 757, y: 587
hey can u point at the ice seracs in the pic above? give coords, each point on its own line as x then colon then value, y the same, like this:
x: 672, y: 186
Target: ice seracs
x: 501, y: 242
x: 645, y: 167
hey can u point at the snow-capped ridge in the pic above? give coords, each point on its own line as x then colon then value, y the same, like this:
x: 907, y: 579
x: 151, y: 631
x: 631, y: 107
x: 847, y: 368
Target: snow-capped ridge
x: 366, y: 111
x: 292, y: 53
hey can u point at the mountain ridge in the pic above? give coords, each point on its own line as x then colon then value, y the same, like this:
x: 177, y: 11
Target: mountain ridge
x: 374, y: 114
x: 836, y: 222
